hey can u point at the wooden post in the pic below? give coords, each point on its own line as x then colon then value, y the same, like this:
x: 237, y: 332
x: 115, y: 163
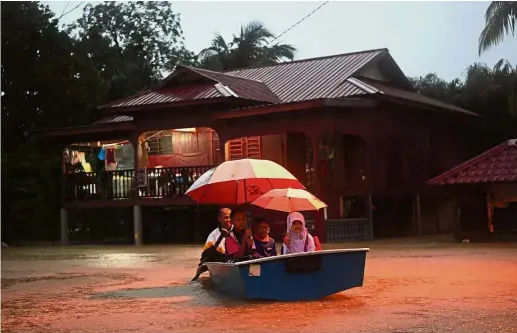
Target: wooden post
x: 64, y: 227
x: 418, y: 216
x: 137, y: 222
x: 370, y: 215
x: 319, y: 220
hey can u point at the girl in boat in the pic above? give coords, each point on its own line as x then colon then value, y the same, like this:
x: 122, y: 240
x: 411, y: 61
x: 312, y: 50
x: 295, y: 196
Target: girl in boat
x: 297, y: 238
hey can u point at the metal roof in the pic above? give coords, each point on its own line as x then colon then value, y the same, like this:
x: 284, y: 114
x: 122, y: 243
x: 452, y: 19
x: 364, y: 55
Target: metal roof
x: 169, y: 95
x: 280, y: 83
x: 114, y: 119
x: 373, y: 87
x: 242, y: 87
x: 295, y: 81
x: 311, y: 78
x: 223, y: 86
x: 498, y: 164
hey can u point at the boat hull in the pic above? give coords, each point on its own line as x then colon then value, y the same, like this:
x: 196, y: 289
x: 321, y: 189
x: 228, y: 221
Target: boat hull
x: 292, y: 277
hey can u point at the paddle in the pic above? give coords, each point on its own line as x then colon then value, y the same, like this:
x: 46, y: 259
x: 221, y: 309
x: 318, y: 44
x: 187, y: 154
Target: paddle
x: 208, y: 255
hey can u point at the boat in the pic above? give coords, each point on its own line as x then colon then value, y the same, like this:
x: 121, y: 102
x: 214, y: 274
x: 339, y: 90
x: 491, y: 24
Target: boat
x: 291, y: 277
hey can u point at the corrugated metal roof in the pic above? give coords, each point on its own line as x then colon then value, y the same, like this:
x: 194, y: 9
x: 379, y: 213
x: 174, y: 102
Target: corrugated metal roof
x: 114, y: 119
x: 311, y: 78
x: 375, y: 87
x: 498, y: 164
x: 240, y: 87
x: 170, y: 95
x: 243, y: 88
x: 295, y: 81
x: 280, y: 83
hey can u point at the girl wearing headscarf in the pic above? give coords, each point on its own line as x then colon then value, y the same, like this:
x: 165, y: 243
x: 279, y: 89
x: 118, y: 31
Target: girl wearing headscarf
x: 297, y: 238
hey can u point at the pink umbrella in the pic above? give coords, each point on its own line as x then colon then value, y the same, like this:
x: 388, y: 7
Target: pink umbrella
x: 289, y: 200
x: 241, y: 181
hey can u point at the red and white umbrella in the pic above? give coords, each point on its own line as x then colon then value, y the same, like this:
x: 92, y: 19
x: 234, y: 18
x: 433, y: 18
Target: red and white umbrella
x: 241, y: 181
x: 289, y: 200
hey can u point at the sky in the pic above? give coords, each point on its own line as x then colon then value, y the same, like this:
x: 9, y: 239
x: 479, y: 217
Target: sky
x: 422, y: 37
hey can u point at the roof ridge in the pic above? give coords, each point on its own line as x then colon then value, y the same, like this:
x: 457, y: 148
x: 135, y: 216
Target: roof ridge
x: 467, y: 164
x: 307, y: 59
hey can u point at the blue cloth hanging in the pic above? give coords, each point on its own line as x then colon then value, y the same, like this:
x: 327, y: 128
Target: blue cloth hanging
x: 102, y: 154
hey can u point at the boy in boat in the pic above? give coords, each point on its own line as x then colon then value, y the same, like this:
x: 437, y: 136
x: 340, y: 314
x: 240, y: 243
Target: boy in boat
x: 265, y: 246
x: 239, y: 244
x: 297, y: 238
x: 215, y: 245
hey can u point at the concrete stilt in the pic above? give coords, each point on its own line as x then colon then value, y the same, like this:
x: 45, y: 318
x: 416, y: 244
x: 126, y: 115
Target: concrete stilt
x: 64, y: 227
x: 137, y: 220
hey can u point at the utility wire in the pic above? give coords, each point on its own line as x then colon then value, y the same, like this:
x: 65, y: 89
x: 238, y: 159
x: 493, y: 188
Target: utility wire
x: 63, y: 11
x: 71, y: 10
x: 303, y: 19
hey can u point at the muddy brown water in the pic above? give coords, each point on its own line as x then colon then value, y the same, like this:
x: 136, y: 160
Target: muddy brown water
x: 411, y: 285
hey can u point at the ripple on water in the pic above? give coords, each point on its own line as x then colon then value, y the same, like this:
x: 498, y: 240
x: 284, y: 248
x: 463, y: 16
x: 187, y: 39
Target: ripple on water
x: 202, y: 293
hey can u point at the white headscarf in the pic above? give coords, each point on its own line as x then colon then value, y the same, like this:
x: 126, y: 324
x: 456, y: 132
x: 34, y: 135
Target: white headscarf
x: 298, y: 240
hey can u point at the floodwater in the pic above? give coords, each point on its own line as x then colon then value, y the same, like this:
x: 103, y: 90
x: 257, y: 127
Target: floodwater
x: 422, y: 285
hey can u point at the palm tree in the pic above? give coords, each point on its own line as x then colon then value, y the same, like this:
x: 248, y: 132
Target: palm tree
x: 250, y: 48
x: 500, y: 19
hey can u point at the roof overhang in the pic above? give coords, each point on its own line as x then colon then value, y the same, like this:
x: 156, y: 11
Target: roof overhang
x: 295, y: 106
x: 108, y: 128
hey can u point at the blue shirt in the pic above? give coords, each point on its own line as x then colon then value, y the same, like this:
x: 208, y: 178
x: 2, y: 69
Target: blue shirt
x: 264, y: 249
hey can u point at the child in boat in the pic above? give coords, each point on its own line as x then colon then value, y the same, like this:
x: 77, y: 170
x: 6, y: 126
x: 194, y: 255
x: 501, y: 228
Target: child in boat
x: 297, y: 238
x: 265, y: 246
x: 239, y: 244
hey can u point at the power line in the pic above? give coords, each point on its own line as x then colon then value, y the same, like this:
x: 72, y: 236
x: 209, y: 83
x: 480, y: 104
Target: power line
x: 71, y: 10
x: 303, y: 19
x: 63, y: 11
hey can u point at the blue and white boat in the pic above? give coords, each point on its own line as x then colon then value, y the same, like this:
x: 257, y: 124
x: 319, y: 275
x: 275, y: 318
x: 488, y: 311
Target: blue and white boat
x: 291, y: 277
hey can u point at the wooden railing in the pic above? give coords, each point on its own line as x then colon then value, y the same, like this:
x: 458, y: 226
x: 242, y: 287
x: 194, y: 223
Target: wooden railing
x: 170, y: 182
x: 121, y: 184
x: 102, y: 185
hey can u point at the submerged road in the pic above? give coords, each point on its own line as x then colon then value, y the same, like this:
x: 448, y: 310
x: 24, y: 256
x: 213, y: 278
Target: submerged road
x: 410, y: 286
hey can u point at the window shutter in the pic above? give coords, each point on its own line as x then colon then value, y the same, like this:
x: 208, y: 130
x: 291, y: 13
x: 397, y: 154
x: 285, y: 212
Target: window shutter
x: 253, y: 147
x: 236, y: 149
x: 248, y: 147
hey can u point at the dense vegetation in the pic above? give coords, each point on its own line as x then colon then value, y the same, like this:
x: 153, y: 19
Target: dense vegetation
x: 54, y: 77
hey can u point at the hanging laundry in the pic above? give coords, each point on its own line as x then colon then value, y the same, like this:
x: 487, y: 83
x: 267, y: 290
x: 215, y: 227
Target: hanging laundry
x: 143, y: 155
x: 110, y: 156
x: 102, y: 154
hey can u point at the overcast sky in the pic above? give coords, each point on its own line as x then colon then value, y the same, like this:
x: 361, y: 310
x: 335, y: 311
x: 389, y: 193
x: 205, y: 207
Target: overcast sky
x: 423, y: 37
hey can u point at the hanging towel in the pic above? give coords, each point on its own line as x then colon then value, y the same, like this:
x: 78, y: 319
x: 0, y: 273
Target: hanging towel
x: 110, y: 156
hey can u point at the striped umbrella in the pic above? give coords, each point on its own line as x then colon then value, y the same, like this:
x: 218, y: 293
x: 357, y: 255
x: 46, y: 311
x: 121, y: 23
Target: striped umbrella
x: 289, y: 200
x: 241, y: 181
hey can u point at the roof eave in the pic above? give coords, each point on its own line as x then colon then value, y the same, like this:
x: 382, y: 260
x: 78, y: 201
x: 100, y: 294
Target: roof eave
x: 425, y: 106
x: 95, y: 128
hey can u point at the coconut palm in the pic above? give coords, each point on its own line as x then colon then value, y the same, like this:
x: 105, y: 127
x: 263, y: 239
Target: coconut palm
x: 500, y: 19
x: 251, y: 47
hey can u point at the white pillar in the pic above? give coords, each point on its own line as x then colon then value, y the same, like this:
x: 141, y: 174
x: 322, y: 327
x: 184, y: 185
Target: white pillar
x: 137, y: 222
x: 64, y: 226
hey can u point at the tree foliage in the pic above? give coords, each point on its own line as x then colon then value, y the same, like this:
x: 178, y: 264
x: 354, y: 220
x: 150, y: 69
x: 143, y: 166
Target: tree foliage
x: 490, y: 92
x: 251, y: 47
x: 129, y: 45
x: 500, y: 19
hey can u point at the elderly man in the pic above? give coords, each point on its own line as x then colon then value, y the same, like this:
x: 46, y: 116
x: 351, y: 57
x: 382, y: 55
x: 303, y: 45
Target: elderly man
x: 215, y: 245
